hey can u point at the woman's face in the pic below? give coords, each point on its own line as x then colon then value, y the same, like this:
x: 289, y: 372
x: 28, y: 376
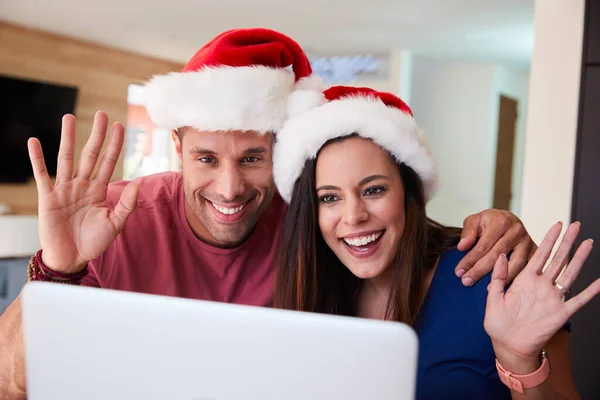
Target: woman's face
x: 361, y: 205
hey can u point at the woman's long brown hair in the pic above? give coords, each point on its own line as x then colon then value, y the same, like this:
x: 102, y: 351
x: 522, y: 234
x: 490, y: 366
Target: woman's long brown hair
x: 311, y: 278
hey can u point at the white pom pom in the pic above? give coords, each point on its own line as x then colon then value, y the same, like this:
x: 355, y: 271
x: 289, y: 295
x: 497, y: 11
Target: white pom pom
x: 311, y: 82
x: 301, y: 101
x: 307, y: 94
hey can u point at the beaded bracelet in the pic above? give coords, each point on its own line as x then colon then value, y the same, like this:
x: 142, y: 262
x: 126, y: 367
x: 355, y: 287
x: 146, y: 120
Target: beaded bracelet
x: 37, y: 271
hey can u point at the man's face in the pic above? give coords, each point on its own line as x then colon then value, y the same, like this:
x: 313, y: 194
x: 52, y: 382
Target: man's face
x: 228, y: 182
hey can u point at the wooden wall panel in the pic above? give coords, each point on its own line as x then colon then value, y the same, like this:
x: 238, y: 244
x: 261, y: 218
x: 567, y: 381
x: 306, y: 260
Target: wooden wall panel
x: 100, y: 73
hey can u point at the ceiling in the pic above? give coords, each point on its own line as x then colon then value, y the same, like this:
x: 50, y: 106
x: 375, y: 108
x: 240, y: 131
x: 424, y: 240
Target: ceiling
x: 498, y: 31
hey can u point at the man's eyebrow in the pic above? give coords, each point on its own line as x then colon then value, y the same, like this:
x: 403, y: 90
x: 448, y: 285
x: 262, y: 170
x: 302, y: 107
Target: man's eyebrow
x: 201, y: 151
x: 255, y: 150
x: 205, y: 152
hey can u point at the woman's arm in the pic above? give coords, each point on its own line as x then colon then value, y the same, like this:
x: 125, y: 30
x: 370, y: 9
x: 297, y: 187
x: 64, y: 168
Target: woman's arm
x: 531, y: 314
x: 559, y: 385
x: 561, y: 379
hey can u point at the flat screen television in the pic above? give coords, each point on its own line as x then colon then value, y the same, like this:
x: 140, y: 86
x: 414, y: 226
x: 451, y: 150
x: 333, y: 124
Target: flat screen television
x: 30, y: 109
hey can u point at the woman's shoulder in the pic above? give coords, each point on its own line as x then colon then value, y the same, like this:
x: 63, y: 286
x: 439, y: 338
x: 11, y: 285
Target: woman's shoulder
x: 446, y: 278
x: 463, y: 352
x: 449, y: 305
x: 451, y: 257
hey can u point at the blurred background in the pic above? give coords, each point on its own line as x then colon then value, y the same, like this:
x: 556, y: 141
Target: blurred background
x: 462, y: 65
x: 505, y: 90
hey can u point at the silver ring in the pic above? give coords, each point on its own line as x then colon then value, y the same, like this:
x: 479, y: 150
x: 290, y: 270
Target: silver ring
x: 562, y: 289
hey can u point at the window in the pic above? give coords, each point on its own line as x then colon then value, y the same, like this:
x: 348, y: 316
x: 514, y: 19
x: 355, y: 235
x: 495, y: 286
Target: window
x: 148, y: 148
x: 345, y: 68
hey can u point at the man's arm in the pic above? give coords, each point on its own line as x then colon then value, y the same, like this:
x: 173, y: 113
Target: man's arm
x: 75, y: 224
x: 12, y: 349
x: 12, y: 360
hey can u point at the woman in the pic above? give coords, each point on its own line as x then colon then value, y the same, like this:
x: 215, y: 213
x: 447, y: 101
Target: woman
x: 357, y: 174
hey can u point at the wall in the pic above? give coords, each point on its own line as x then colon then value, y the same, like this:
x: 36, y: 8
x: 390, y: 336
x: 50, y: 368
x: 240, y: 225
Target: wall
x: 514, y: 84
x: 552, y: 117
x: 454, y: 103
x: 101, y: 74
x: 458, y: 104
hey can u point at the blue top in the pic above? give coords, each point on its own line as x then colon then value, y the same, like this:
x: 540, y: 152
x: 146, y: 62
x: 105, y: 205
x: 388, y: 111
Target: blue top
x: 456, y: 358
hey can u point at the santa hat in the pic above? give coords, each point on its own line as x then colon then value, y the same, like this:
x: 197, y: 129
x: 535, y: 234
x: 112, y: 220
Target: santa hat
x: 240, y: 80
x: 381, y: 117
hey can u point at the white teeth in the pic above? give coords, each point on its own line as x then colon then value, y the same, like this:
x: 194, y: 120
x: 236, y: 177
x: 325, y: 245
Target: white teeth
x: 228, y: 211
x: 364, y: 240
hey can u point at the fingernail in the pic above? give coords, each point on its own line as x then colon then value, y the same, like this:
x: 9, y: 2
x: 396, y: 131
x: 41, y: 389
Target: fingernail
x: 578, y: 223
x: 460, y: 273
x: 461, y: 241
x: 489, y: 286
x: 591, y: 241
x: 467, y: 281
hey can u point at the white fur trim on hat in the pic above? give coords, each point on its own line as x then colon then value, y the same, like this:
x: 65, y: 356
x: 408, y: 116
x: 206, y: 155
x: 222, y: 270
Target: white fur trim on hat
x: 302, y: 137
x: 308, y: 93
x: 223, y: 98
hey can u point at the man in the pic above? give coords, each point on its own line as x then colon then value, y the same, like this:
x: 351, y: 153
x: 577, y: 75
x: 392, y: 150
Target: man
x: 210, y: 232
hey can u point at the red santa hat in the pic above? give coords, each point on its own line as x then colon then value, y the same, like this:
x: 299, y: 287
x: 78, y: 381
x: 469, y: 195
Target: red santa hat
x: 243, y: 79
x: 381, y: 117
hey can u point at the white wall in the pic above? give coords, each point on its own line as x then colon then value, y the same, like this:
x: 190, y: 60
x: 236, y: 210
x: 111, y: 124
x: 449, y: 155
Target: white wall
x: 514, y: 84
x: 455, y: 104
x: 400, y: 72
x: 552, y: 117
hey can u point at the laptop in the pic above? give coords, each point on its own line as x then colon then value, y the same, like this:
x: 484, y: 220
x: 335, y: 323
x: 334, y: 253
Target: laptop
x: 88, y: 343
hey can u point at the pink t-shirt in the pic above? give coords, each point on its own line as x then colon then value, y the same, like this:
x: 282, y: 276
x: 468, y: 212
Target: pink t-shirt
x: 158, y: 253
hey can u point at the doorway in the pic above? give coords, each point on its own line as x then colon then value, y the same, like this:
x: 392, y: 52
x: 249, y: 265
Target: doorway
x: 507, y: 122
